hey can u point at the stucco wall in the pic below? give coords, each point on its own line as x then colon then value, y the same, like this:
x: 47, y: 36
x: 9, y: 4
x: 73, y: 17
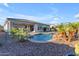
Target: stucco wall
x: 9, y: 25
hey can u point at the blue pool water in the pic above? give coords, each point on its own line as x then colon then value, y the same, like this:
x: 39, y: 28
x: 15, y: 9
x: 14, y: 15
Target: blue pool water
x: 41, y: 37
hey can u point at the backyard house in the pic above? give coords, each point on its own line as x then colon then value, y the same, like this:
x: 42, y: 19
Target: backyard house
x: 31, y: 26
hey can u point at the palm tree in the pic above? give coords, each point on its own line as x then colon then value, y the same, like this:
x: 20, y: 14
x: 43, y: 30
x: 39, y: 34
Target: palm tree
x: 62, y: 32
x: 68, y: 31
x: 53, y: 28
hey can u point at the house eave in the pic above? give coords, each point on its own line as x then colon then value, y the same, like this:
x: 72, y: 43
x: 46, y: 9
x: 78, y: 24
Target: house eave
x: 24, y: 20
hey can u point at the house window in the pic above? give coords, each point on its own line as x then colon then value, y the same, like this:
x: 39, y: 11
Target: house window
x: 39, y: 28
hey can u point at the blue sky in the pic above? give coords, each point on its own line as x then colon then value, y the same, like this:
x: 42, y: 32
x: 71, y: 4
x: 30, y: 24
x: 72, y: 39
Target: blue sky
x: 51, y: 13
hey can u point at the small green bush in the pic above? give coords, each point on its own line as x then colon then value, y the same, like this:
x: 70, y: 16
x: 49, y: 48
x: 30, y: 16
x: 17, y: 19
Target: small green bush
x: 19, y: 33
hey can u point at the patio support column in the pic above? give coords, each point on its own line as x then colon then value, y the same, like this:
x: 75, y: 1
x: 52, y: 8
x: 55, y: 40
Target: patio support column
x: 28, y: 28
x: 35, y: 28
x: 9, y: 27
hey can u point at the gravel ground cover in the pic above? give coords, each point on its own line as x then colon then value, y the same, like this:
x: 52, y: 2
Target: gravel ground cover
x: 13, y: 48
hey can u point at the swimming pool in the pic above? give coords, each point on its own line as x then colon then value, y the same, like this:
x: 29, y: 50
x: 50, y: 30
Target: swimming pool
x: 41, y: 38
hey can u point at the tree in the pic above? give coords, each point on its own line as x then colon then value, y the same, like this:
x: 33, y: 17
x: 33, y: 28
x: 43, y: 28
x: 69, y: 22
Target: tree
x: 68, y: 30
x: 61, y: 32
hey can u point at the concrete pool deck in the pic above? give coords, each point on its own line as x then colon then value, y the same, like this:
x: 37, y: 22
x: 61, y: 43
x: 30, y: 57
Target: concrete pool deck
x: 33, y: 33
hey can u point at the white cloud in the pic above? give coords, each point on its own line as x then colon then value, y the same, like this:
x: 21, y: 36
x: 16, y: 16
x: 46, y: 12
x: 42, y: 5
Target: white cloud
x: 6, y: 4
x: 25, y: 16
x: 54, y: 22
x: 45, y: 19
x: 54, y: 10
x: 36, y: 18
x: 77, y: 16
x: 1, y: 10
x: 56, y: 18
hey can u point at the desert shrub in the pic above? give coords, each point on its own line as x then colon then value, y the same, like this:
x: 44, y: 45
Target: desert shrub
x: 13, y: 32
x: 19, y: 33
x: 77, y: 49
